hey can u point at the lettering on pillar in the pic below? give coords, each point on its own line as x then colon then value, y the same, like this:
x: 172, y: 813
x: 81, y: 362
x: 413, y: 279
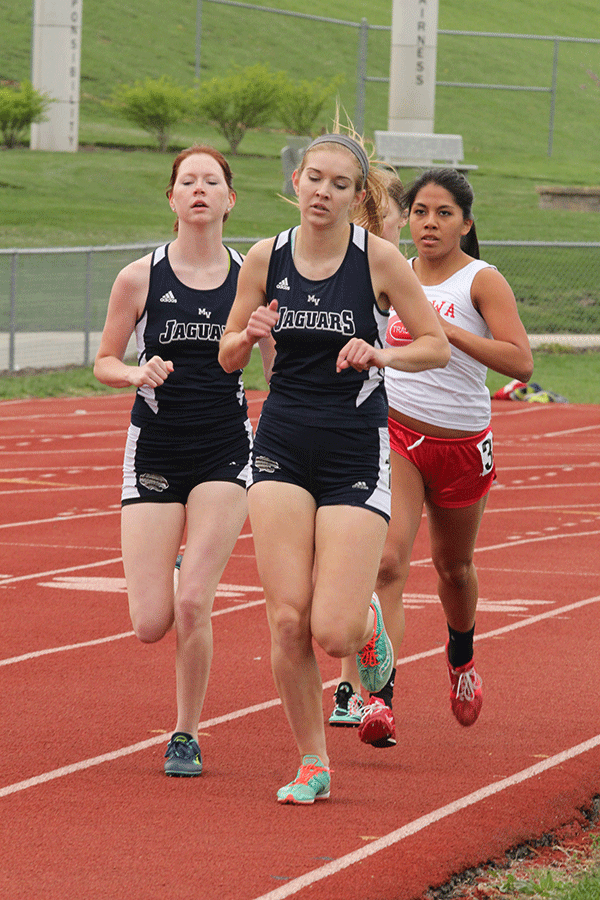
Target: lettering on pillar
x: 73, y: 89
x: 421, y: 41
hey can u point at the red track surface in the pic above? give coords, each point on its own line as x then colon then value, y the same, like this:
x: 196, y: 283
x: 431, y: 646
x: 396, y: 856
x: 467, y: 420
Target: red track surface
x: 85, y: 810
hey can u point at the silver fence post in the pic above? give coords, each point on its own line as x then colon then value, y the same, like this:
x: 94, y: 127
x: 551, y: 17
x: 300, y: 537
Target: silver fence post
x: 553, y: 97
x: 13, y: 312
x: 363, y: 37
x: 198, y: 35
x: 88, y: 308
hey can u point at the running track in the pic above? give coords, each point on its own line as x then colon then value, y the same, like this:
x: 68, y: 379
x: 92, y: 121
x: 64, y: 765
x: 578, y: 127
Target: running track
x: 85, y: 810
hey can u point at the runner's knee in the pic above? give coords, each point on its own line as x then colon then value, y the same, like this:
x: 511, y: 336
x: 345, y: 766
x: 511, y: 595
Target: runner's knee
x: 454, y: 573
x: 393, y: 568
x: 148, y: 628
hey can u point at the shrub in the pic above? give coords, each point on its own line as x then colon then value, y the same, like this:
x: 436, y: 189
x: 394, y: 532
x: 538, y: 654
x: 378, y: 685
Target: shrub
x: 246, y: 98
x: 19, y: 107
x: 155, y: 105
x: 300, y: 103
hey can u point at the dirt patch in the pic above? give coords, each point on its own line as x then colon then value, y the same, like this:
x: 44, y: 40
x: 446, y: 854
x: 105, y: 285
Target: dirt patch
x: 567, y: 854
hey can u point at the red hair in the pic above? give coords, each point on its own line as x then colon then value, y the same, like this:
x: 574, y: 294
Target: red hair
x: 191, y: 151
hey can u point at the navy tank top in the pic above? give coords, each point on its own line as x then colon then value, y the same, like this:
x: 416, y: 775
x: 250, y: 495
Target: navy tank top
x: 185, y: 325
x: 316, y: 319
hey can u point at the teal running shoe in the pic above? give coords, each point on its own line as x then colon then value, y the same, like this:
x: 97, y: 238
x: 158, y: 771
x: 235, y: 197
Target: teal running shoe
x: 376, y: 659
x: 348, y: 707
x: 311, y: 783
x: 183, y: 757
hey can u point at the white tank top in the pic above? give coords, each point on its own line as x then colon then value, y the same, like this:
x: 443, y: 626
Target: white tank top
x: 455, y: 396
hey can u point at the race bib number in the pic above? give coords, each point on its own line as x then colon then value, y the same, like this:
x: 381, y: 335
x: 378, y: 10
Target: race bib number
x: 486, y: 451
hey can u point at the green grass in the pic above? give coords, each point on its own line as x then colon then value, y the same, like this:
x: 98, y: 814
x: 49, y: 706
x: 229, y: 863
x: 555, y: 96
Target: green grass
x: 112, y: 191
x: 103, y: 195
x: 574, y: 375
x: 548, y: 885
x: 79, y: 381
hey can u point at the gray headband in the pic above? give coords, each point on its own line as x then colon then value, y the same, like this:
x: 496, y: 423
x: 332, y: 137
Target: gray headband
x: 347, y: 142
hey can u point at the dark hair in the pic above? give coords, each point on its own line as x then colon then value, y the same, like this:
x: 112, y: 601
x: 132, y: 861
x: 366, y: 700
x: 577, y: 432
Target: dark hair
x: 457, y: 185
x: 191, y: 151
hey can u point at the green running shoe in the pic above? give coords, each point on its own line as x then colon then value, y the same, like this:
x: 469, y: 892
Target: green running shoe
x: 311, y: 783
x: 348, y: 707
x: 183, y: 757
x: 376, y: 659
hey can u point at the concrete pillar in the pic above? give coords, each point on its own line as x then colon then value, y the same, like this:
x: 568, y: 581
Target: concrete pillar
x: 55, y: 70
x: 412, y: 66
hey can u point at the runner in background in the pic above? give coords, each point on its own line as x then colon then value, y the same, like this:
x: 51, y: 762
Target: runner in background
x: 440, y: 435
x: 348, y: 701
x: 188, y: 445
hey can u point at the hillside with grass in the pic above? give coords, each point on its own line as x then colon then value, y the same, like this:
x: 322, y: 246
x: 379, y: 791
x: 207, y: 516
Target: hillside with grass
x: 112, y: 190
x: 125, y: 42
x: 104, y: 196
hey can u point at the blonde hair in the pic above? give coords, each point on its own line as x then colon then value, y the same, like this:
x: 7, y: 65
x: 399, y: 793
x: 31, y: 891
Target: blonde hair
x: 369, y: 214
x: 395, y: 189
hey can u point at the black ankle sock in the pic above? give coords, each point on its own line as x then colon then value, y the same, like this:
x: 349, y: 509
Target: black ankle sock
x: 460, y: 647
x: 387, y: 691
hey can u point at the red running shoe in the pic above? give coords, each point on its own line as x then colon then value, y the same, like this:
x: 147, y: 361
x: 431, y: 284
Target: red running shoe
x: 466, y: 698
x: 377, y: 726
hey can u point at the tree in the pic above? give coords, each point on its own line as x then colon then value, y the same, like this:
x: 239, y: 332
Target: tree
x: 19, y: 107
x: 155, y: 105
x: 246, y: 98
x: 300, y: 103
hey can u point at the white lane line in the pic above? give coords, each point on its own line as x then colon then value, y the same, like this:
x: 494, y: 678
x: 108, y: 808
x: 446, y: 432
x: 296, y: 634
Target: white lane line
x: 259, y: 707
x: 521, y: 623
x: 504, y: 629
x: 45, y: 451
x: 436, y: 815
x: 65, y: 518
x: 49, y: 488
x: 127, y: 751
x: 416, y: 562
x: 35, y: 654
x: 546, y: 486
x: 13, y: 579
x: 29, y: 487
x: 535, y: 540
x: 551, y: 434
x: 559, y: 468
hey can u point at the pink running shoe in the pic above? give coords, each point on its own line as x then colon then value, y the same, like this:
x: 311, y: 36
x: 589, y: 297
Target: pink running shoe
x: 377, y: 726
x: 466, y: 698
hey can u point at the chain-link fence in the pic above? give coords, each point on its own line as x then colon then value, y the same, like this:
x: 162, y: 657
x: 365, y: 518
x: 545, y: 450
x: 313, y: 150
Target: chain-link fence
x: 556, y: 63
x: 53, y: 301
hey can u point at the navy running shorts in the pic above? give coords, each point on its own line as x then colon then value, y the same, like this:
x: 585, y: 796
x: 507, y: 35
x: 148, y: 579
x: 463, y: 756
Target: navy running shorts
x: 338, y: 466
x: 164, y: 467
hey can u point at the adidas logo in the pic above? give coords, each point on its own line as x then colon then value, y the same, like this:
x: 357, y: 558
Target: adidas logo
x: 169, y: 297
x: 361, y: 486
x: 283, y: 285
